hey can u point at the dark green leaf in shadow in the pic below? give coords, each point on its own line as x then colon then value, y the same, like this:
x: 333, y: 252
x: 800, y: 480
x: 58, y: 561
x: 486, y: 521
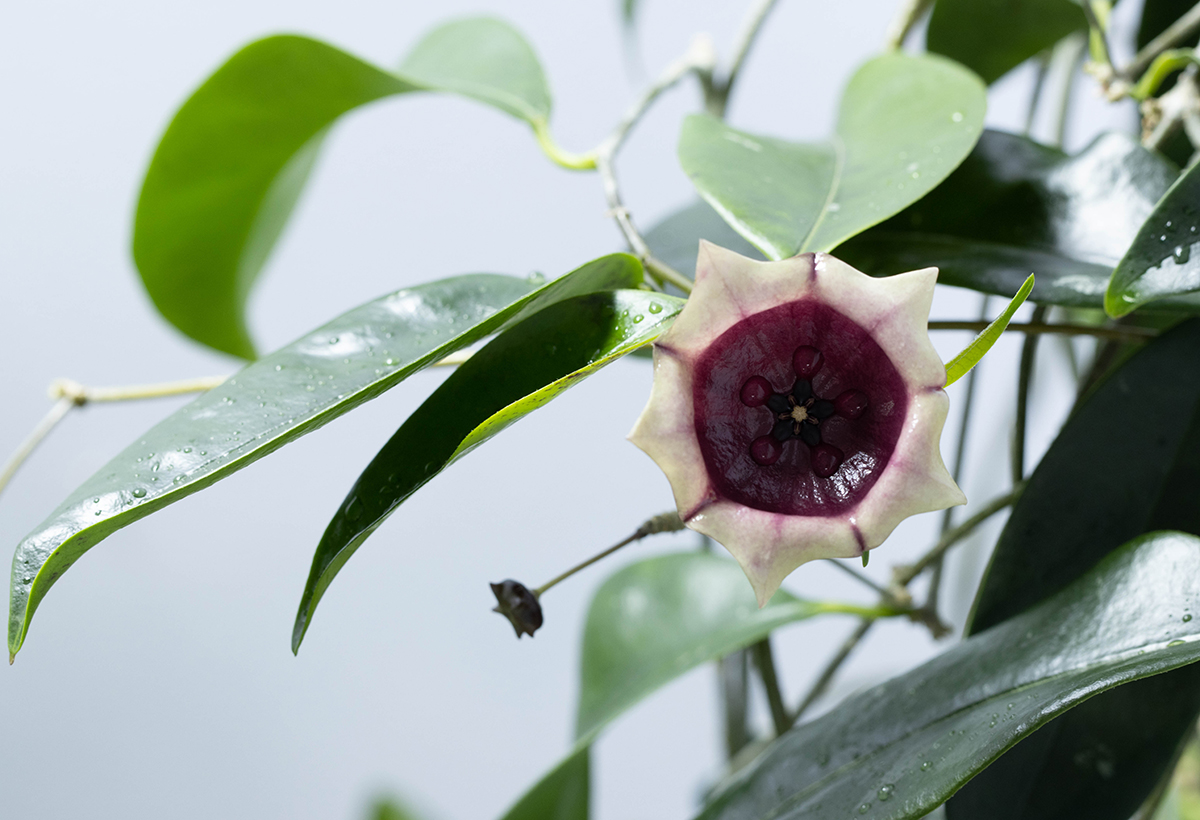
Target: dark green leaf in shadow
x: 295, y: 390
x: 234, y: 160
x: 676, y: 239
x: 904, y: 124
x: 1158, y: 15
x: 560, y: 795
x: 1098, y: 486
x: 1160, y: 262
x: 1015, y: 207
x: 519, y: 371
x: 899, y: 749
x: 658, y: 618
x: 990, y: 37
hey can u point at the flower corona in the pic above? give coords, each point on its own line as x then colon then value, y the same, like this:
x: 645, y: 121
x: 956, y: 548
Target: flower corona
x: 797, y: 409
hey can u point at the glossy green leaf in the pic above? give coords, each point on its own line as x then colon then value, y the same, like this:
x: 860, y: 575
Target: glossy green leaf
x: 899, y: 749
x: 312, y: 381
x: 1015, y: 206
x: 990, y: 37
x: 1160, y: 261
x: 234, y: 160
x: 904, y: 124
x: 1101, y: 483
x: 961, y: 364
x: 560, y: 795
x: 656, y: 619
x: 522, y: 369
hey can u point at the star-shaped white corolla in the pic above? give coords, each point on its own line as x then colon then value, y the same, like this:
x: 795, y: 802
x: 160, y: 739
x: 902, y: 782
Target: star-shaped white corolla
x: 797, y: 409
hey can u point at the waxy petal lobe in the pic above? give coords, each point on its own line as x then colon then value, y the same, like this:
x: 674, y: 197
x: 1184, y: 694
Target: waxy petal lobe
x: 797, y: 409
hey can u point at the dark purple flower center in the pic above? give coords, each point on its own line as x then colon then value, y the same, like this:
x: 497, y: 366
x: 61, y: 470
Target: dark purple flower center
x: 797, y: 410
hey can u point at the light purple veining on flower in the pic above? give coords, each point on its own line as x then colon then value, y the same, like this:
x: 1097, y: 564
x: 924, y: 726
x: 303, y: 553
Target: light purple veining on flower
x: 797, y: 409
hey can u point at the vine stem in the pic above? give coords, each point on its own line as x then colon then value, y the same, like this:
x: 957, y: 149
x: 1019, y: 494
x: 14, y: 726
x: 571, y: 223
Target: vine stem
x: 666, y: 522
x: 1125, y: 333
x: 719, y: 92
x: 904, y: 21
x: 1174, y: 34
x: 1024, y: 380
x: 699, y: 58
x: 902, y: 578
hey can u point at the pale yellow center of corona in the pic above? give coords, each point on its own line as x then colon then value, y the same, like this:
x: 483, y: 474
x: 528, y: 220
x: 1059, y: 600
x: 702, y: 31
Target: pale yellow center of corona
x: 799, y: 413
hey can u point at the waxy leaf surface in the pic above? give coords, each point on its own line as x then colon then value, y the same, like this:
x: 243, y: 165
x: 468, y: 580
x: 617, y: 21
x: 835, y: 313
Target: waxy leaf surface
x: 1014, y: 207
x: 522, y: 369
x: 898, y: 750
x: 990, y: 37
x: 1101, y: 484
x: 654, y: 620
x: 300, y: 387
x: 1160, y: 262
x: 235, y: 158
x: 904, y: 124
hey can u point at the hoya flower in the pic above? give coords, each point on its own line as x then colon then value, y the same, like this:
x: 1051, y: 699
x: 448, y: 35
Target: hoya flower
x: 797, y: 409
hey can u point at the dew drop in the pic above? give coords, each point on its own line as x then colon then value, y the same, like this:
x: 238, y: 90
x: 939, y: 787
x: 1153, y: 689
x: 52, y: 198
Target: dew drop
x: 139, y: 492
x: 1172, y: 643
x: 885, y: 792
x: 993, y: 721
x: 187, y: 449
x: 204, y: 452
x: 354, y: 509
x: 179, y: 479
x: 1186, y: 618
x: 655, y: 307
x: 99, y: 511
x: 864, y: 808
x: 957, y: 116
x: 389, y: 362
x: 1168, y: 223
x: 1182, y: 254
x: 334, y: 340
x: 1162, y: 238
x: 638, y: 318
x: 927, y: 765
x: 278, y: 367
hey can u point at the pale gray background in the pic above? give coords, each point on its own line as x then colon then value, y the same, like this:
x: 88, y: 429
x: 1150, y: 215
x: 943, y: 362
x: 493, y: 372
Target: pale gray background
x: 157, y: 679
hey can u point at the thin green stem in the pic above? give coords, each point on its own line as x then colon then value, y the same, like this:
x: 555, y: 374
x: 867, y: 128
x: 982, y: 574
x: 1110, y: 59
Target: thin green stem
x: 1176, y: 33
x: 764, y: 659
x: 960, y: 453
x: 834, y: 664
x: 1024, y: 380
x: 1098, y: 37
x: 905, y: 575
x: 666, y: 522
x: 904, y: 21
x: 862, y: 579
x: 561, y: 158
x: 1126, y: 333
x: 718, y: 96
x: 81, y: 395
x: 57, y: 413
x: 734, y: 680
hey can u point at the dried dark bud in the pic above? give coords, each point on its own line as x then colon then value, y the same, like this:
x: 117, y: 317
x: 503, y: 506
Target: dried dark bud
x: 515, y: 602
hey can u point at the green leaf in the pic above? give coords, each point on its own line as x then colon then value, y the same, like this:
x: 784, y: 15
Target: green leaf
x: 388, y: 809
x: 658, y: 618
x: 990, y: 37
x: 1159, y: 263
x: 1101, y: 484
x: 896, y: 751
x: 486, y: 59
x: 905, y: 123
x: 961, y: 364
x: 560, y: 795
x: 519, y: 371
x: 295, y: 390
x: 234, y: 160
x: 1015, y: 206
